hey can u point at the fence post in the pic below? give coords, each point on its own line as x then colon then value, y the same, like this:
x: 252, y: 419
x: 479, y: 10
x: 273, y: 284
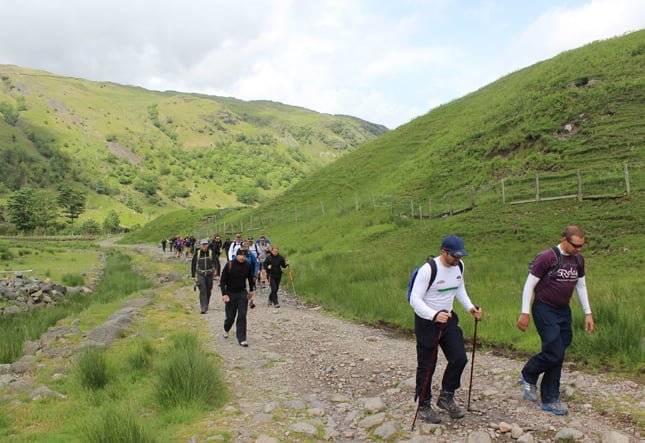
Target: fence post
x: 322, y: 208
x: 537, y: 188
x: 357, y: 202
x: 241, y: 226
x: 430, y: 207
x: 628, y: 186
x: 373, y: 201
x: 411, y: 208
x: 503, y: 192
x: 579, y: 176
x: 420, y: 212
x: 340, y: 206
x: 295, y: 213
x: 251, y: 222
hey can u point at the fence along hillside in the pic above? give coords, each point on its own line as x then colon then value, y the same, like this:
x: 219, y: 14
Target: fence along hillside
x: 609, y: 182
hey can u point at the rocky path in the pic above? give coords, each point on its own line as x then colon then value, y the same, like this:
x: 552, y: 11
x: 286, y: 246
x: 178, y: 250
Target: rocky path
x: 309, y: 376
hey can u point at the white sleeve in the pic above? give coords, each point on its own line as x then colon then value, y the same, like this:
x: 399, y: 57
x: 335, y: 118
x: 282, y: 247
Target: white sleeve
x: 419, y: 289
x: 463, y: 298
x: 231, y: 252
x: 581, y: 290
x: 527, y: 294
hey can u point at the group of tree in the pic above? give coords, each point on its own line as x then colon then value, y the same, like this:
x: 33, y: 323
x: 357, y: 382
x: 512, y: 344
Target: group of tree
x: 29, y: 210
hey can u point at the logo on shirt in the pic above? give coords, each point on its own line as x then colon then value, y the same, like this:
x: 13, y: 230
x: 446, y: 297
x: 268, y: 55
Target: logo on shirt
x: 567, y: 273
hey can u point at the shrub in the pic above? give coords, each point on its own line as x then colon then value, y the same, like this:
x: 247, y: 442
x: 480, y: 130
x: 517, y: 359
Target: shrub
x: 92, y: 368
x: 73, y: 280
x: 188, y: 376
x: 117, y: 424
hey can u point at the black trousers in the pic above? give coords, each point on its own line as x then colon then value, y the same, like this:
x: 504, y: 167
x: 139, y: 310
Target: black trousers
x: 237, y: 306
x: 205, y: 286
x: 274, y: 282
x: 452, y: 345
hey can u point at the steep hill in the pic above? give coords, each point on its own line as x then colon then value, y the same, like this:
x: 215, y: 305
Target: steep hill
x: 144, y: 152
x: 581, y: 108
x: 348, y: 231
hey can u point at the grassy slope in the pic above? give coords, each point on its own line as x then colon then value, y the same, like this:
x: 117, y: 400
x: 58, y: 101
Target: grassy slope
x: 509, y: 127
x: 114, y: 137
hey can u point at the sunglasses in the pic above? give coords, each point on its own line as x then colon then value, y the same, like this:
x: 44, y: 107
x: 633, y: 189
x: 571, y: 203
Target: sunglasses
x: 575, y: 245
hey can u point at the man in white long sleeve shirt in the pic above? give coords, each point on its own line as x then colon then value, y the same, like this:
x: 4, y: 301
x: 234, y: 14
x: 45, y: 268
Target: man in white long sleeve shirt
x: 435, y: 320
x: 553, y: 276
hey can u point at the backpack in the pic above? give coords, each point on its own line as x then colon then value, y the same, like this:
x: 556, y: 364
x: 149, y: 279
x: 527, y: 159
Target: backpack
x: 558, y: 262
x: 433, y: 268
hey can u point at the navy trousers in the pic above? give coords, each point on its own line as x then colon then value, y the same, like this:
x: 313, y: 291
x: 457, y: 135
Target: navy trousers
x: 554, y: 327
x: 237, y: 306
x: 452, y: 345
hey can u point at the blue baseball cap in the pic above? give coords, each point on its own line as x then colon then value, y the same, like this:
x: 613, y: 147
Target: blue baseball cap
x: 454, y: 245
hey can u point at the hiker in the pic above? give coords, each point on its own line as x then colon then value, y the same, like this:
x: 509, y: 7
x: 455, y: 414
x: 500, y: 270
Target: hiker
x: 553, y: 276
x: 163, y: 245
x: 235, y: 245
x: 179, y: 246
x: 204, y: 269
x: 216, y: 245
x: 226, y: 246
x: 274, y: 264
x: 264, y: 249
x: 435, y: 324
x: 235, y: 296
x: 252, y: 256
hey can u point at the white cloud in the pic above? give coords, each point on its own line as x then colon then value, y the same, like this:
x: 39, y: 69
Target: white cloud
x: 383, y: 61
x: 561, y: 29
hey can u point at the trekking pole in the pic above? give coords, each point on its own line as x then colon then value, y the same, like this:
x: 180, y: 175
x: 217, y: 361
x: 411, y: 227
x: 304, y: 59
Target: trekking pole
x: 292, y: 285
x: 472, y: 361
x: 433, y: 361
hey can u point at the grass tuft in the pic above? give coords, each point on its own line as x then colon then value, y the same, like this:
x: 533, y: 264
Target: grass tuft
x: 117, y: 424
x: 188, y: 376
x: 73, y: 280
x: 92, y: 368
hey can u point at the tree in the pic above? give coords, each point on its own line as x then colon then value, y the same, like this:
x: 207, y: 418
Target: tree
x: 112, y: 223
x: 22, y: 209
x: 72, y: 202
x: 46, y: 213
x: 90, y: 226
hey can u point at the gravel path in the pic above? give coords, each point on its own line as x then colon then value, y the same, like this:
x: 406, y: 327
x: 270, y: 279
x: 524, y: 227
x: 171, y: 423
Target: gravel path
x: 309, y: 376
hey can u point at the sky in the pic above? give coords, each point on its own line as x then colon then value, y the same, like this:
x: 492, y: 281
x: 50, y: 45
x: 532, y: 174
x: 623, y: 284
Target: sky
x: 383, y: 61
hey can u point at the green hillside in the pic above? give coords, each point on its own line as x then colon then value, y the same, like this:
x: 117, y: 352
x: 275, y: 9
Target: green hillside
x: 143, y: 152
x: 348, y: 230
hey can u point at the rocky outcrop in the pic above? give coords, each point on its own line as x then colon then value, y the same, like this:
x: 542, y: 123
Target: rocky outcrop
x: 20, y: 293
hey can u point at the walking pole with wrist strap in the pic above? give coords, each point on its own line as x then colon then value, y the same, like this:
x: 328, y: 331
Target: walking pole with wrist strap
x: 433, y: 360
x: 472, y: 361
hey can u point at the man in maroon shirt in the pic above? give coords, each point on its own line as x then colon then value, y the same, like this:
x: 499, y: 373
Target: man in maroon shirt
x: 553, y: 276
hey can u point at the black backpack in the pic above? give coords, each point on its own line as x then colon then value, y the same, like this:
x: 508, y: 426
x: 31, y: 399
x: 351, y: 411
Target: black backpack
x: 433, y: 268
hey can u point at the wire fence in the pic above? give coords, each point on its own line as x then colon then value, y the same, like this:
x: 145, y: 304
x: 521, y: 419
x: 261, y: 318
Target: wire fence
x: 617, y: 181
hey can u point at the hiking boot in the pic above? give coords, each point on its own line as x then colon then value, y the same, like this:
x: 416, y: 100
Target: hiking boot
x: 529, y: 390
x: 277, y: 305
x: 429, y: 415
x: 225, y: 334
x: 556, y: 407
x: 447, y: 401
x: 244, y: 344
